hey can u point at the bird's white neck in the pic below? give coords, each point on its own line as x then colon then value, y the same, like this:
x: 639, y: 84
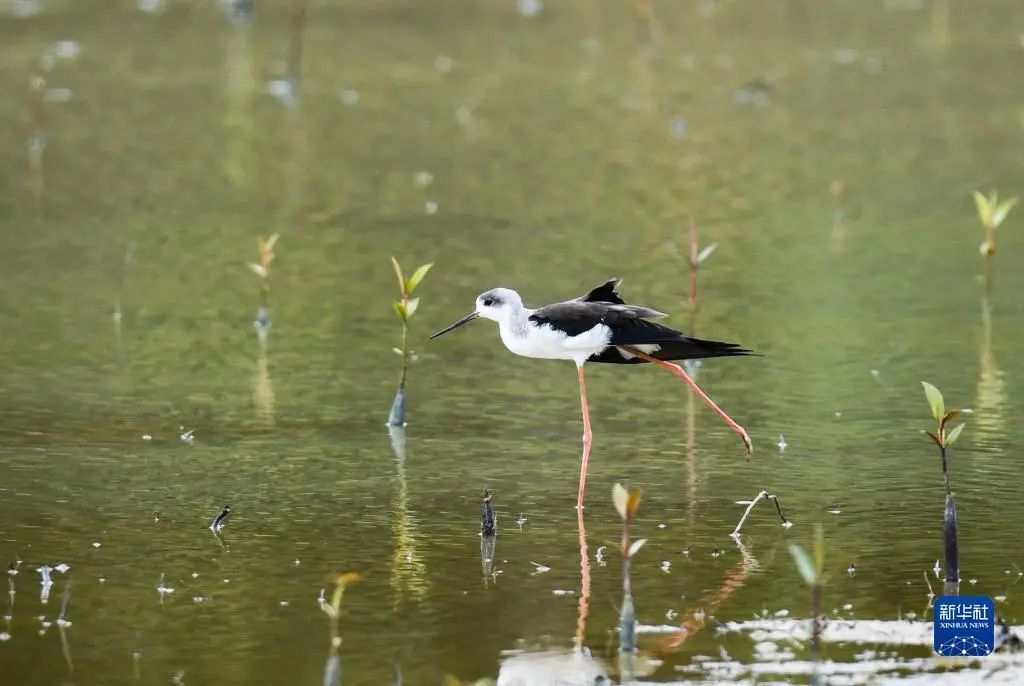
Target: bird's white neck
x: 515, y: 324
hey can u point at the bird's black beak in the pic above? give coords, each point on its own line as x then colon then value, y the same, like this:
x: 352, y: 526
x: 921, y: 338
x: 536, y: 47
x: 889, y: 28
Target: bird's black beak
x: 465, y: 320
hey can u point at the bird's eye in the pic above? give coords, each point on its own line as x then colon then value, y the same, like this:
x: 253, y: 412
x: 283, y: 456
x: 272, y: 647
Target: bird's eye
x: 488, y: 302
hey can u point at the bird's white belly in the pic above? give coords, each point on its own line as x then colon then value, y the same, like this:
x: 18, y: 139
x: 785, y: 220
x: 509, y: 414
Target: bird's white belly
x: 544, y: 342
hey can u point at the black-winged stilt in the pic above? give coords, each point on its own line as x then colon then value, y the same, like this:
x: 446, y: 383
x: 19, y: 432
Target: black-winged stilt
x: 597, y: 327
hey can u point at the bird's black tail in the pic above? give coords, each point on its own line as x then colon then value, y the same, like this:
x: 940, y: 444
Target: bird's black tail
x: 674, y: 348
x: 698, y: 348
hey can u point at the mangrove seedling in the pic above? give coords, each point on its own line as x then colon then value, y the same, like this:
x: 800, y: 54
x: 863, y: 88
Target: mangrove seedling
x: 488, y: 539
x: 626, y: 503
x: 405, y: 309
x: 488, y: 520
x: 991, y: 214
x: 696, y: 258
x: 812, y: 571
x: 944, y: 437
x: 265, y: 247
x: 332, y: 608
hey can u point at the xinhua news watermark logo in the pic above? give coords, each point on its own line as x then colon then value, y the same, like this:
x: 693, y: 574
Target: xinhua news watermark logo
x: 965, y: 626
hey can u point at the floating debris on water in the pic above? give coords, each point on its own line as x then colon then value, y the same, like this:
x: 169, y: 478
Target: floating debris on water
x: 539, y: 568
x: 58, y: 95
x: 430, y: 207
x: 717, y: 552
x: 521, y: 521
x: 671, y: 614
x: 218, y: 522
x: 162, y: 589
x: 422, y: 179
x: 529, y: 8
x: 782, y: 443
x: 96, y: 544
x: 147, y: 437
x: 937, y: 569
x: 834, y: 510
x: 44, y: 573
x: 187, y: 436
x: 687, y: 549
x: 559, y: 591
x: 62, y: 567
x: 666, y: 566
x: 195, y: 575
x: 852, y: 569
x: 678, y: 127
x: 750, y: 506
x: 599, y: 555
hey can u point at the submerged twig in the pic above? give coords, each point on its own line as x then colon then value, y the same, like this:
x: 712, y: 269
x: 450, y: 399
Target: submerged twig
x: 750, y: 506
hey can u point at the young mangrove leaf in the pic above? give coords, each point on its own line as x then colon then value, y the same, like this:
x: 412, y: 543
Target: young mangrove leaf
x: 1001, y: 211
x: 953, y: 434
x: 984, y: 206
x: 633, y: 501
x: 399, y: 309
x: 803, y: 563
x: 410, y: 308
x: 948, y: 417
x: 819, y: 552
x: 706, y: 252
x: 636, y: 546
x: 935, y: 400
x: 416, y: 277
x: 340, y: 582
x: 398, y: 273
x: 268, y: 245
x: 620, y: 496
x: 934, y: 438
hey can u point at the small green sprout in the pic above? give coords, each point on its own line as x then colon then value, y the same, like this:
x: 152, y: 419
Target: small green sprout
x: 944, y: 438
x: 627, y: 501
x: 696, y: 259
x: 332, y: 608
x: 266, y: 256
x: 991, y: 214
x: 811, y: 567
x: 812, y: 571
x: 405, y: 308
x: 941, y: 436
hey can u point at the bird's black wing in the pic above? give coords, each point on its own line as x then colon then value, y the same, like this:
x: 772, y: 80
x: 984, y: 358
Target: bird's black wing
x: 575, y: 316
x: 608, y: 292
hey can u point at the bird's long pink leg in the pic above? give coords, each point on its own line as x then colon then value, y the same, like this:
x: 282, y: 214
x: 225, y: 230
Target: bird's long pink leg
x: 587, y: 436
x: 681, y: 373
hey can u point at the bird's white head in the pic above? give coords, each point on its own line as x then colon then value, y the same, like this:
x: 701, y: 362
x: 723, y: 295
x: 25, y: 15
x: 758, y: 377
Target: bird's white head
x: 497, y: 304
